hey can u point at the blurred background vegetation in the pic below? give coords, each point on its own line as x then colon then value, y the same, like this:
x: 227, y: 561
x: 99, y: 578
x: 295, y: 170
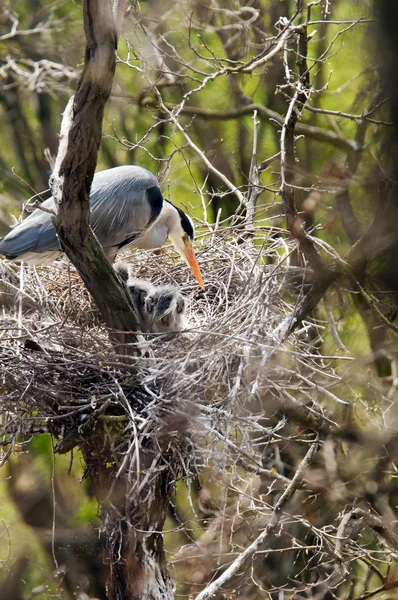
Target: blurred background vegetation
x: 340, y: 190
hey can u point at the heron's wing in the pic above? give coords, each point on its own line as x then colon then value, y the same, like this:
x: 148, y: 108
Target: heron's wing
x: 125, y: 202
x: 34, y: 234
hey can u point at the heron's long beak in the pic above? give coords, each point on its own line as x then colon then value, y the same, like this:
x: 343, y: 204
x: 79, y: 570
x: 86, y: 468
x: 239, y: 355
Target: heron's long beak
x: 190, y: 258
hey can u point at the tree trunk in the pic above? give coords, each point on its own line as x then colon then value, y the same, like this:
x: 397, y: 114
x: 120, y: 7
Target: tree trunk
x: 131, y: 477
x: 133, y: 502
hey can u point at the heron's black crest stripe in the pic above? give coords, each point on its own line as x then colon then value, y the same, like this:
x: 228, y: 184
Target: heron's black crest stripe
x: 185, y: 222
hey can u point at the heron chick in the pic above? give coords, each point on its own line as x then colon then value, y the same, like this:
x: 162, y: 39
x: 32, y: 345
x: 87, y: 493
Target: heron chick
x: 166, y: 305
x: 140, y: 291
x: 161, y: 309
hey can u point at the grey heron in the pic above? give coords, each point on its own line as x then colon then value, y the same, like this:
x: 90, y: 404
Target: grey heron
x: 127, y: 209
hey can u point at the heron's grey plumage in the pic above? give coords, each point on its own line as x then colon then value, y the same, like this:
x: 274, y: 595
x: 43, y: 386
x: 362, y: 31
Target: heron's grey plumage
x: 125, y: 203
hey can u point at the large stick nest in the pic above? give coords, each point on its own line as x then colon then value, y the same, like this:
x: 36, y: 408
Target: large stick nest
x: 59, y: 371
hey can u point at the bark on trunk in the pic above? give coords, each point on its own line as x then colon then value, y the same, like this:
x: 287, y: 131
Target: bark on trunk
x: 133, y: 503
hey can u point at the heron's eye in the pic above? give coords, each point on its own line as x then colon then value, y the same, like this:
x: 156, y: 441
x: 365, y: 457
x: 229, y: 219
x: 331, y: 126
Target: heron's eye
x: 185, y: 237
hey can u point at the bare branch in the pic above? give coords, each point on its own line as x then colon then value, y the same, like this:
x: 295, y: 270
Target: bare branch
x: 316, y: 133
x: 15, y: 32
x: 239, y: 562
x: 287, y: 191
x: 209, y: 165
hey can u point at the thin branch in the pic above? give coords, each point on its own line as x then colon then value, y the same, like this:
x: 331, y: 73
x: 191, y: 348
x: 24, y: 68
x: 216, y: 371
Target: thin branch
x: 339, y: 113
x: 15, y: 32
x: 275, y: 118
x: 372, y: 304
x: 287, y: 191
x: 382, y: 588
x: 209, y: 165
x: 254, y: 179
x: 332, y: 325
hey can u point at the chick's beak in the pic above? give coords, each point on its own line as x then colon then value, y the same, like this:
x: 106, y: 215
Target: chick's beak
x: 190, y: 258
x: 162, y: 308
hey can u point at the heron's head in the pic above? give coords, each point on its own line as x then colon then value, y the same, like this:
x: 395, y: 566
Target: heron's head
x: 182, y: 234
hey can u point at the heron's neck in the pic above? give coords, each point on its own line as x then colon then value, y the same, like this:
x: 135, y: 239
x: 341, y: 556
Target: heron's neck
x: 157, y: 235
x: 170, y: 217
